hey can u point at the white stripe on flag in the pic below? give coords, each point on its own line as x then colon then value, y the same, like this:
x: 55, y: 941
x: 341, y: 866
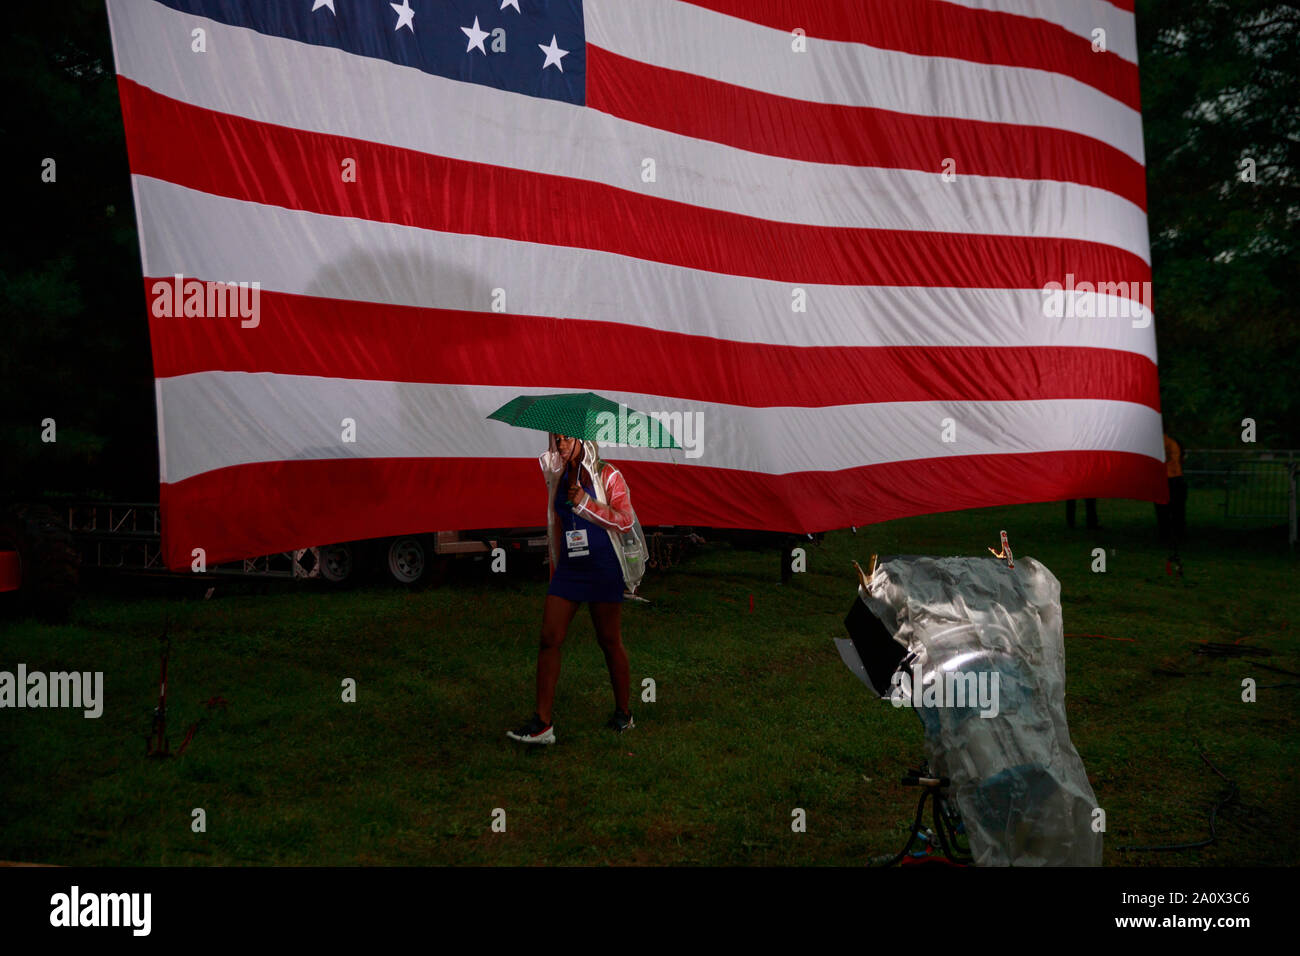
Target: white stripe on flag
x: 307, y: 253
x: 232, y: 418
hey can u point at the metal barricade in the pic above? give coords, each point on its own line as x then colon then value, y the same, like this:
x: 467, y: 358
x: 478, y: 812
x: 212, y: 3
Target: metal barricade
x: 1257, y: 484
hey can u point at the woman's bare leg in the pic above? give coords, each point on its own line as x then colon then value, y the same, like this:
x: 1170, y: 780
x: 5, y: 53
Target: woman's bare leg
x: 607, y: 618
x: 556, y: 617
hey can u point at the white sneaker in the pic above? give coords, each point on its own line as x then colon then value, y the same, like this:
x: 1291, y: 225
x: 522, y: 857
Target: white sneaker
x: 533, y: 732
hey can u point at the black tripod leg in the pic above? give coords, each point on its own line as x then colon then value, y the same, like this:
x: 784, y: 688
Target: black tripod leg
x: 941, y: 828
x: 916, y: 827
x: 939, y: 825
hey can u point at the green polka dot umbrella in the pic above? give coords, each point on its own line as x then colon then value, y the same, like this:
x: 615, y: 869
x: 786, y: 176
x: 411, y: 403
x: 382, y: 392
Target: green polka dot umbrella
x: 586, y: 415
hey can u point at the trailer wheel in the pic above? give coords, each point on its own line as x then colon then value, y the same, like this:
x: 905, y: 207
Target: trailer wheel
x: 48, y: 562
x: 337, y: 563
x: 407, y: 560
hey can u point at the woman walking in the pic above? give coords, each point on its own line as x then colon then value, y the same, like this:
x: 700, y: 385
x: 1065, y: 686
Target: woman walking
x: 1171, y: 518
x: 588, y: 509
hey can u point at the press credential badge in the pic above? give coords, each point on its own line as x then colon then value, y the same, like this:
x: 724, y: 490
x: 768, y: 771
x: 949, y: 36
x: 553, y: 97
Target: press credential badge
x: 576, y: 542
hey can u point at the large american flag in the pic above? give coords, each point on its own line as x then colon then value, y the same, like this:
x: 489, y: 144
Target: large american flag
x: 823, y: 228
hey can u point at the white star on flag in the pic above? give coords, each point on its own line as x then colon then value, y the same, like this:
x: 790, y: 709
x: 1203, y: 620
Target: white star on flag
x: 476, y: 37
x: 553, y: 54
x: 511, y: 3
x: 405, y: 16
x: 324, y: 3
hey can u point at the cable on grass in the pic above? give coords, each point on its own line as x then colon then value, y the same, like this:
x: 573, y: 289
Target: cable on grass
x: 1276, y: 670
x: 1230, y: 796
x: 1211, y: 649
x: 212, y: 703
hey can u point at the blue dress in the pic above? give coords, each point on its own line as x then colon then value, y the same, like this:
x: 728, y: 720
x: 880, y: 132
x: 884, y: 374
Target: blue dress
x: 595, y: 576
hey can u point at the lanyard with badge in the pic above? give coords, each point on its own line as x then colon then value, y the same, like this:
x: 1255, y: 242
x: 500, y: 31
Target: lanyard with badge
x: 575, y: 538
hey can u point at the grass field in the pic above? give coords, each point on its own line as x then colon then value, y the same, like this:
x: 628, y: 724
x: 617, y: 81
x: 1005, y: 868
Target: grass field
x: 755, y: 713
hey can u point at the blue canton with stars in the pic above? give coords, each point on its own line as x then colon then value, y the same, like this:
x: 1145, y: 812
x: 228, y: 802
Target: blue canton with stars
x: 535, y: 47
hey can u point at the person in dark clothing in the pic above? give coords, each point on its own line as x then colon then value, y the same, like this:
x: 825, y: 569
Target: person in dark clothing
x: 588, y: 505
x: 1171, y: 518
x: 1090, y: 510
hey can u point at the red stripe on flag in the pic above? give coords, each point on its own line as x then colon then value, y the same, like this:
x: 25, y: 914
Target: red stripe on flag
x: 268, y: 508
x: 934, y: 28
x: 264, y: 163
x: 393, y: 343
x: 851, y: 135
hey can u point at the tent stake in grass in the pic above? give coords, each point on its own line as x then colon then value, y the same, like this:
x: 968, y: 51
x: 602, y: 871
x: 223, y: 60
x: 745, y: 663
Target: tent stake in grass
x: 157, y: 746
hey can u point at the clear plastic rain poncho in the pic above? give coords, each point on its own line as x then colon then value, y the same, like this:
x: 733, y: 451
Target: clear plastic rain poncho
x: 985, y: 662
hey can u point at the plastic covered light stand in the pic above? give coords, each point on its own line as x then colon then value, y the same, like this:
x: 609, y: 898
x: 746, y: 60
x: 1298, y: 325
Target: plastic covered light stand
x: 977, y: 650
